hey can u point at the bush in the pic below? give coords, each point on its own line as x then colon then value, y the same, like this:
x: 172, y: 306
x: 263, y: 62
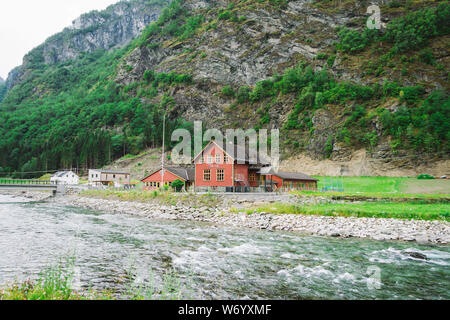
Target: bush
x: 414, y: 30
x: 244, y: 94
x: 425, y: 177
x: 228, y: 91
x: 177, y: 185
x: 426, y: 56
x: 353, y: 41
x: 226, y: 15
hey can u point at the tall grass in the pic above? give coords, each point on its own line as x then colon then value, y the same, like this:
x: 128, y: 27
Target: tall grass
x: 56, y: 283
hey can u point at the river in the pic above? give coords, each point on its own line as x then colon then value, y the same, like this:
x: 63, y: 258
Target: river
x: 214, y: 262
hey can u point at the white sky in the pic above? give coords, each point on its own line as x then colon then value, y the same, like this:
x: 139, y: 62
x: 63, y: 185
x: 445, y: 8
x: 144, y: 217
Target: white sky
x: 25, y: 24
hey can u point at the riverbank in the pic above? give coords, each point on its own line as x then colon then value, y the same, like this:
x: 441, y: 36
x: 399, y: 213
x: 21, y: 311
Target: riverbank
x: 223, y: 211
x: 27, y: 196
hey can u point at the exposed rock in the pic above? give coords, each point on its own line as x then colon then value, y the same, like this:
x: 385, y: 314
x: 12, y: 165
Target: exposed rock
x: 268, y: 42
x: 416, y: 255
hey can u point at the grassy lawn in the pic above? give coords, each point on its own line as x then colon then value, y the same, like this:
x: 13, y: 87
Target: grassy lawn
x: 386, y: 187
x: 364, y: 184
x: 404, y: 210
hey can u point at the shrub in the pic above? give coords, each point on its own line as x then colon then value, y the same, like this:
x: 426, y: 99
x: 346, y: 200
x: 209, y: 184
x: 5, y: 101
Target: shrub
x: 414, y: 30
x: 244, y: 94
x: 331, y: 60
x: 226, y: 15
x: 425, y: 177
x: 322, y: 56
x: 228, y: 91
x: 353, y: 41
x: 177, y: 185
x: 426, y: 56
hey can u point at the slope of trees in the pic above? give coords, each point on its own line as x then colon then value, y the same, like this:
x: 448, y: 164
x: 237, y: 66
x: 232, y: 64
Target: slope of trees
x: 74, y: 115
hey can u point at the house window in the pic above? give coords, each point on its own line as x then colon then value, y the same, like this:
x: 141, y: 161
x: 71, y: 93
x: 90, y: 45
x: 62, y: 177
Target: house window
x: 218, y: 158
x: 206, y: 175
x: 225, y: 158
x: 210, y: 159
x: 220, y: 175
x: 252, y: 177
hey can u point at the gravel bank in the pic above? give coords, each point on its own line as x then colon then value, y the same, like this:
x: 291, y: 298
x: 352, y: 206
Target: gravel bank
x: 437, y: 232
x: 27, y: 196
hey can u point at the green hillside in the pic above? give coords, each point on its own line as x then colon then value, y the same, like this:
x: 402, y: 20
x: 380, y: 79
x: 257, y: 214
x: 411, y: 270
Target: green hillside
x: 77, y: 114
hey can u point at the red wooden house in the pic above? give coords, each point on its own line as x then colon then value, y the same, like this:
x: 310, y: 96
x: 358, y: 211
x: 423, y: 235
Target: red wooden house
x: 169, y: 175
x: 218, y: 170
x: 289, y: 181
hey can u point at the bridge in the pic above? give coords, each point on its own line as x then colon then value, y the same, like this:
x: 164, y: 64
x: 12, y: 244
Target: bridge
x: 30, y: 185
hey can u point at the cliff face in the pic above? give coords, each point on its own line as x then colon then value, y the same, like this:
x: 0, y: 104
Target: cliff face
x: 262, y: 41
x: 108, y: 29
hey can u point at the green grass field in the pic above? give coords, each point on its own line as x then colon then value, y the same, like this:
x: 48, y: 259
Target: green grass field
x: 402, y: 198
x: 385, y: 187
x: 403, y: 210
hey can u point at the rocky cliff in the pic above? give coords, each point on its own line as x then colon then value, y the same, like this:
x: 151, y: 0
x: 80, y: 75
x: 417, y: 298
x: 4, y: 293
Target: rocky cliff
x: 111, y: 28
x: 242, y: 43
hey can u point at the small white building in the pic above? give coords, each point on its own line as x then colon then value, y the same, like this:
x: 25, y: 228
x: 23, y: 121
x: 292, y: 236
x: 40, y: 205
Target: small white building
x: 108, y: 178
x: 65, y: 177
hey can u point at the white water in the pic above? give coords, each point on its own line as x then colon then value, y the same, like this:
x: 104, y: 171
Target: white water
x: 215, y: 262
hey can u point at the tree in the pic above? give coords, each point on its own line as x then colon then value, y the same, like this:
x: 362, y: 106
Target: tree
x: 177, y: 185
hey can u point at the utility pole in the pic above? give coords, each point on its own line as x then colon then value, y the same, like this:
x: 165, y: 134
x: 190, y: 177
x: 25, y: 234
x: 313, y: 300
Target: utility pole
x: 163, y: 148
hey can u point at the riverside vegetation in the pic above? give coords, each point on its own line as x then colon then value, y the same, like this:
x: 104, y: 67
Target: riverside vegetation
x: 56, y: 282
x: 102, y: 105
x: 410, y: 207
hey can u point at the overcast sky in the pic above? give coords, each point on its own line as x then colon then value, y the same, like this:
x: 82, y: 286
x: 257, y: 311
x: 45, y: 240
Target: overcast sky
x: 25, y: 24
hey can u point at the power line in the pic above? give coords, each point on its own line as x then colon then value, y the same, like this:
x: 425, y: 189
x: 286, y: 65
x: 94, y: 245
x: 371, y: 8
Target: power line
x: 48, y: 171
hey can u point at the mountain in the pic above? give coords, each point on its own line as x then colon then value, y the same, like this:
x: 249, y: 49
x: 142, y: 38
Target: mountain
x: 347, y: 99
x: 111, y: 28
x: 2, y: 88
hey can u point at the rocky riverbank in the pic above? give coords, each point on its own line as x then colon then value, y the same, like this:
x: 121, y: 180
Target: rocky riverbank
x: 421, y: 231
x: 27, y: 196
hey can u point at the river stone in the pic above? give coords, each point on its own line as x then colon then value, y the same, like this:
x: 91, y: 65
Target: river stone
x: 417, y: 255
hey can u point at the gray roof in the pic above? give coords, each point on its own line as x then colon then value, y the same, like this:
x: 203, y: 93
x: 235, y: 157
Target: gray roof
x: 187, y: 174
x: 60, y: 174
x: 294, y: 176
x: 286, y: 175
x: 111, y: 172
